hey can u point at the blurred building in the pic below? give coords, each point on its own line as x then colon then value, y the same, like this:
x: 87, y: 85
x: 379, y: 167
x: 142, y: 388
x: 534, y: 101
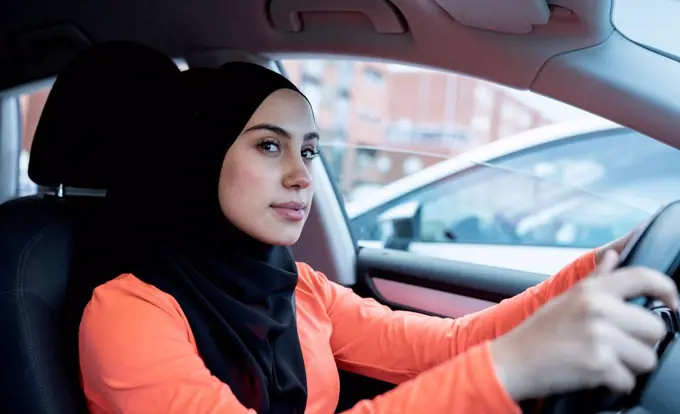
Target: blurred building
x: 31, y: 108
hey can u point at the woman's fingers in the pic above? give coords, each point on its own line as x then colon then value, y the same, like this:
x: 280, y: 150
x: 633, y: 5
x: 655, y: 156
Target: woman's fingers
x: 633, y: 282
x: 635, y: 321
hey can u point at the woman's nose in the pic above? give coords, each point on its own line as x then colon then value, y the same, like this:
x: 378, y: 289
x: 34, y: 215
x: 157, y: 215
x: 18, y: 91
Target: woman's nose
x: 298, y: 177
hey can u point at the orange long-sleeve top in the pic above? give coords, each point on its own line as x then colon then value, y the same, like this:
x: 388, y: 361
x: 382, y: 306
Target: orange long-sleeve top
x: 138, y: 354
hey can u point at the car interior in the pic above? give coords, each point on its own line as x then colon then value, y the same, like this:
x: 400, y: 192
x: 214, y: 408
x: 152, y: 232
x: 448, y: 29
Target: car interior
x: 568, y: 50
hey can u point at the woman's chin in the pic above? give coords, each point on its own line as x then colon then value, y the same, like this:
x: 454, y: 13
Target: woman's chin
x: 282, y: 237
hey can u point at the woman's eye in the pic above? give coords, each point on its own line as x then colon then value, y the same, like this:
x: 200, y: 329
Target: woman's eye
x: 269, y: 146
x: 310, y: 153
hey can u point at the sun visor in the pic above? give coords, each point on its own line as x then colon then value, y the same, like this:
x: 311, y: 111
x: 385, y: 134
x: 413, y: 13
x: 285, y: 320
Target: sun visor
x: 384, y: 16
x: 505, y: 16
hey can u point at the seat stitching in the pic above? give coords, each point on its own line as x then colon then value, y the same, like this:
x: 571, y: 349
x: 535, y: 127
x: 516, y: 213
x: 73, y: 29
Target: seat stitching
x: 24, y: 314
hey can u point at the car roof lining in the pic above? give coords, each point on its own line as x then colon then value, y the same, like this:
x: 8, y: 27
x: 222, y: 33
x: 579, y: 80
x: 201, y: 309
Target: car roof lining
x: 337, y: 28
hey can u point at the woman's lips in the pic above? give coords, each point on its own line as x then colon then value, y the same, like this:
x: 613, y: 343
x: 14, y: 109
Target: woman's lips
x: 291, y: 211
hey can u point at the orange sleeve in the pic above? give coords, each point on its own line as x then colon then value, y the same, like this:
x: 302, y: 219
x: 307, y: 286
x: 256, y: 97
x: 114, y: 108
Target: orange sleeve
x: 462, y: 385
x: 442, y: 365
x: 137, y: 353
x: 136, y: 356
x: 497, y: 320
x: 371, y: 339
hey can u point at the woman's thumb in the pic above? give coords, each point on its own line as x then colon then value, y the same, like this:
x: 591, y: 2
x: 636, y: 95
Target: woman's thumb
x: 610, y: 259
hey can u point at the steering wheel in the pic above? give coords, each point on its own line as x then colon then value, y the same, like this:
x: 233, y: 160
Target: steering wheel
x: 656, y: 246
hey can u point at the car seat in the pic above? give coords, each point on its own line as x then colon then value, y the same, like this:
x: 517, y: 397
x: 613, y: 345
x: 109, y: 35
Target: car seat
x: 52, y: 253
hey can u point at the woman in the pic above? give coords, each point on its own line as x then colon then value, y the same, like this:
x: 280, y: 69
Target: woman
x: 213, y: 314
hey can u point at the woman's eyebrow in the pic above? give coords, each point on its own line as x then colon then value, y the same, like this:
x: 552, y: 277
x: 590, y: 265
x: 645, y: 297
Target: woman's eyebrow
x: 280, y: 131
x: 311, y: 135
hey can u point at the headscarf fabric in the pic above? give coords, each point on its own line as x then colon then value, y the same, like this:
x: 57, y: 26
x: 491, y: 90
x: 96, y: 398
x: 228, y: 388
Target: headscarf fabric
x: 236, y: 292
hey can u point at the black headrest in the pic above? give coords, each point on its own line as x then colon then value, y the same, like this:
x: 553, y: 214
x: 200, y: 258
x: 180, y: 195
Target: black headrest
x: 93, y: 112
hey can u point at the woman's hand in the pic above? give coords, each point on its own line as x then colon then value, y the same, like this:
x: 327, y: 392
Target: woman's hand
x: 587, y: 337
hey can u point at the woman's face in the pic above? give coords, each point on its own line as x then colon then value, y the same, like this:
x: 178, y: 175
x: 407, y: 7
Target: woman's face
x: 265, y: 186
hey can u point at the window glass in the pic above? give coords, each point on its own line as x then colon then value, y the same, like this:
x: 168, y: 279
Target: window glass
x: 31, y: 107
x: 579, y: 193
x: 452, y: 166
x: 653, y: 23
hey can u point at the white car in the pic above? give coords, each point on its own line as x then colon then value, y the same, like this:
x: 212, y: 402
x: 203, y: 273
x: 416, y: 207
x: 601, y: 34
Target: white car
x: 532, y: 202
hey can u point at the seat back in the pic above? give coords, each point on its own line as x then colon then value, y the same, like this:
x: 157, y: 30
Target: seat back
x: 38, y: 243
x: 51, y: 252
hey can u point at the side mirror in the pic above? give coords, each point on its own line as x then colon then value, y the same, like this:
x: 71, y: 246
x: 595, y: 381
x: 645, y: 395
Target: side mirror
x: 400, y: 225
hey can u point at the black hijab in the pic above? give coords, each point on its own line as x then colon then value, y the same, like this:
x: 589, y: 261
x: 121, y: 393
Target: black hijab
x: 236, y: 292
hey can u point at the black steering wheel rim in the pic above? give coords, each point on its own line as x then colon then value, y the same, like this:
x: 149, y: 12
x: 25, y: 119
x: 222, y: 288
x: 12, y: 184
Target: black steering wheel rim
x: 656, y: 246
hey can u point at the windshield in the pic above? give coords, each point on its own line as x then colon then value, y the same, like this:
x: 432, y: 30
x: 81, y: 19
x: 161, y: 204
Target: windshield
x: 653, y: 23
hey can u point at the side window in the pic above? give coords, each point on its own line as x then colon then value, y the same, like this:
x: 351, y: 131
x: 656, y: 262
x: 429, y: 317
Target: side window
x: 452, y: 166
x: 474, y: 207
x: 580, y: 192
x: 31, y: 107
